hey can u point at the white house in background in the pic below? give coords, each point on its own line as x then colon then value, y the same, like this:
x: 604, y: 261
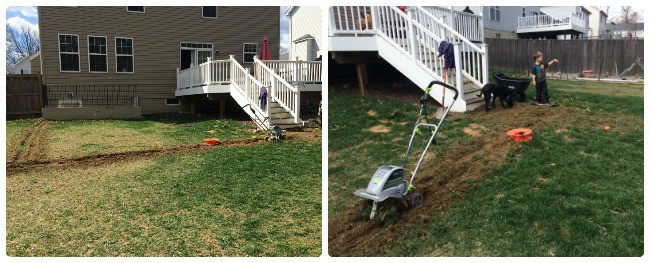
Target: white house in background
x: 502, y: 21
x: 556, y: 22
x: 24, y: 66
x: 305, y: 31
x: 597, y: 22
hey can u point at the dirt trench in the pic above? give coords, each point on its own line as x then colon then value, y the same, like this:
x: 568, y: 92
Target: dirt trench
x: 32, y: 143
x: 34, y: 157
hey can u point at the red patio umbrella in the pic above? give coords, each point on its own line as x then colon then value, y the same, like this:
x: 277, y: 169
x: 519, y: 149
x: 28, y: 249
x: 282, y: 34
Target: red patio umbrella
x: 264, y: 54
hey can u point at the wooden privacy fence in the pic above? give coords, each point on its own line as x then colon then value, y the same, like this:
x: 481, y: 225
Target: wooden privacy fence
x: 575, y: 55
x: 24, y: 95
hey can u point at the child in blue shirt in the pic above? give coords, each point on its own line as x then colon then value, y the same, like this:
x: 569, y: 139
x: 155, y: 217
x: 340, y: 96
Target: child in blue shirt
x: 538, y: 73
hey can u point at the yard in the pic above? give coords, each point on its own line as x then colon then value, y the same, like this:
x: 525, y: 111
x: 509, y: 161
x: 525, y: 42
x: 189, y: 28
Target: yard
x: 575, y: 189
x: 148, y: 188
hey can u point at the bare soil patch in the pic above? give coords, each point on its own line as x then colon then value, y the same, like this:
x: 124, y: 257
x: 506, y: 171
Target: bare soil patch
x: 32, y: 143
x: 379, y: 129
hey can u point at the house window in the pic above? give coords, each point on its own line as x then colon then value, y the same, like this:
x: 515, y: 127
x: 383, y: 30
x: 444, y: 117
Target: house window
x: 123, y: 55
x: 497, y: 36
x: 209, y: 12
x: 135, y: 9
x: 495, y: 13
x: 523, y: 12
x: 25, y: 71
x: 174, y: 101
x: 97, y: 57
x: 69, y: 53
x: 250, y: 50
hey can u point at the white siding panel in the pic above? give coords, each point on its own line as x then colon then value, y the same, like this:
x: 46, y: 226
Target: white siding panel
x: 306, y: 21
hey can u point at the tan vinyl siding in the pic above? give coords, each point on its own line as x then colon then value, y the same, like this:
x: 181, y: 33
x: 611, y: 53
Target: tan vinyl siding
x: 36, y: 64
x: 157, y: 35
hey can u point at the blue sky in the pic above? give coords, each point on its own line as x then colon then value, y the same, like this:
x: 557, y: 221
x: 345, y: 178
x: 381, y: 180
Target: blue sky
x: 22, y: 16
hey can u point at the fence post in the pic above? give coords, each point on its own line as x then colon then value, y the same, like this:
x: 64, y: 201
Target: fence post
x: 458, y: 70
x: 298, y: 69
x: 484, y: 63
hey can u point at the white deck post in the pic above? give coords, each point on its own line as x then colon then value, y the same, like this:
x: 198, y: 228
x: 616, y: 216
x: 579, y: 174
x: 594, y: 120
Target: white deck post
x: 411, y: 33
x: 232, y: 68
x: 458, y: 70
x: 246, y: 85
x: 332, y: 26
x: 298, y: 70
x: 179, y: 81
x: 373, y: 12
x: 485, y: 61
x: 452, y: 23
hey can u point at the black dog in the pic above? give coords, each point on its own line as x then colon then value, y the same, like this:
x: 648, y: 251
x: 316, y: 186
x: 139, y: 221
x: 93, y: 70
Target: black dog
x: 493, y: 91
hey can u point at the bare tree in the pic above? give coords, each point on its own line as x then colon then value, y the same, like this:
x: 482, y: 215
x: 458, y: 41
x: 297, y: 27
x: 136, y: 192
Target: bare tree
x: 21, y: 43
x: 629, y: 16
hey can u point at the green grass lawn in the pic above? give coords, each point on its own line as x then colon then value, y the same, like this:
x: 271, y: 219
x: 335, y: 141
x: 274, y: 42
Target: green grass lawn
x: 574, y: 190
x: 262, y: 200
x: 243, y: 200
x: 88, y: 137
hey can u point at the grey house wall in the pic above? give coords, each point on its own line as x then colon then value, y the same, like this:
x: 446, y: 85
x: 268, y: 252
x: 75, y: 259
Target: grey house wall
x: 507, y: 26
x: 157, y: 35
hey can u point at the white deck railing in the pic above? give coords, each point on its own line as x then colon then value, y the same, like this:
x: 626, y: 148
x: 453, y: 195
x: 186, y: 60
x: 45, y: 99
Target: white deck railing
x: 296, y: 71
x: 468, y: 25
x: 280, y: 91
x: 418, y: 34
x: 351, y: 19
x: 208, y: 73
x: 552, y: 20
x: 250, y: 88
x: 472, y: 58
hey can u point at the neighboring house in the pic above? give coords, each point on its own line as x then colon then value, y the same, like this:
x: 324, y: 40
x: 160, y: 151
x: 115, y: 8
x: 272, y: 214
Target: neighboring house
x: 35, y: 60
x: 502, y: 21
x: 532, y: 21
x: 24, y: 66
x: 143, y: 47
x: 305, y: 31
x: 284, y: 54
x: 556, y: 22
x: 597, y: 22
x: 634, y: 30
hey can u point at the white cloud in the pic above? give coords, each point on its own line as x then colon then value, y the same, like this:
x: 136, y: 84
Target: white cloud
x: 18, y: 23
x: 26, y: 11
x: 285, y: 40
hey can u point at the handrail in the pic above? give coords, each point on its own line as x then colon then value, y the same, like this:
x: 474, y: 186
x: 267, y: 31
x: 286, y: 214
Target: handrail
x: 281, y: 92
x: 249, y: 87
x: 457, y: 35
x: 296, y: 71
x: 467, y: 24
x: 472, y: 58
x: 209, y: 72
